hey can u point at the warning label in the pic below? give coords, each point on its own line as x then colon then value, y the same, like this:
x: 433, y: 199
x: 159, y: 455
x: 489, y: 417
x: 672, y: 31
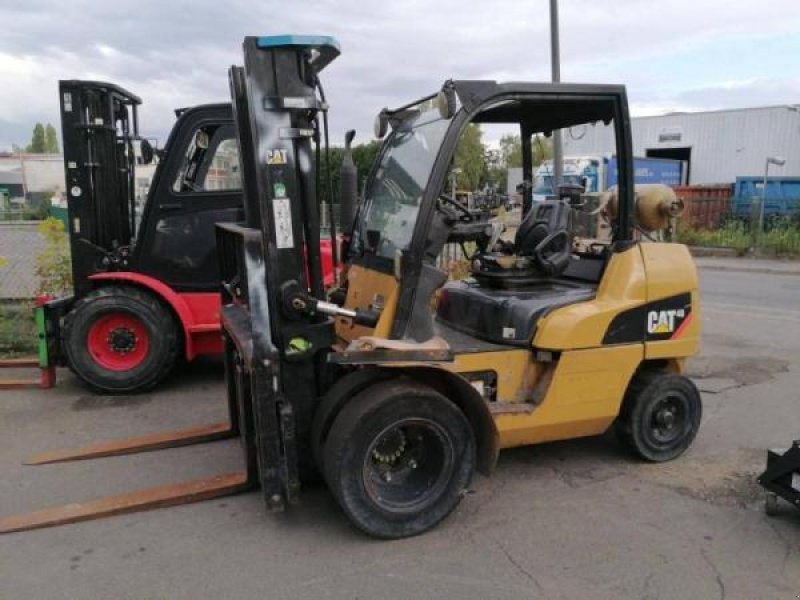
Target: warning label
x: 282, y: 213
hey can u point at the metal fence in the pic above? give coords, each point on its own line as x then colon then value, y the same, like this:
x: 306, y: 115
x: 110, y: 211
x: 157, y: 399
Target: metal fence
x: 20, y: 242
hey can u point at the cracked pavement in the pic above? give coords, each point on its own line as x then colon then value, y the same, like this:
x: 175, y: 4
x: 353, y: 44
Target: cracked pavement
x: 568, y: 520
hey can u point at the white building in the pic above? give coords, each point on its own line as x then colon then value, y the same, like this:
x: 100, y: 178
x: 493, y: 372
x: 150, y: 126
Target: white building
x: 39, y: 172
x: 44, y: 173
x: 717, y: 145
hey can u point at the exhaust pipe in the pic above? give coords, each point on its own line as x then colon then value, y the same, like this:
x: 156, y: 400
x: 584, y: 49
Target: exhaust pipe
x: 348, y: 186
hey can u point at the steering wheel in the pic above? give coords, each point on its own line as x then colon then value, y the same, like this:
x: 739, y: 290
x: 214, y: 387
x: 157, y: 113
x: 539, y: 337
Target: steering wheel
x: 465, y: 214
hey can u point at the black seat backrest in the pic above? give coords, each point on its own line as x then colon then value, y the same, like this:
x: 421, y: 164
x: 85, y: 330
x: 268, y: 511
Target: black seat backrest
x: 545, y: 235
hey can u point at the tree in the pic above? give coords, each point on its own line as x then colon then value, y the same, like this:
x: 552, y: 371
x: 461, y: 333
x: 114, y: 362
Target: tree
x: 363, y: 157
x: 37, y: 145
x: 50, y: 139
x: 542, y: 149
x: 470, y: 159
x: 510, y: 151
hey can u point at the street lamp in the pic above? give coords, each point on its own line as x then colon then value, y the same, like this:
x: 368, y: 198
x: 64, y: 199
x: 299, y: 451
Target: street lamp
x: 778, y: 162
x: 555, y: 67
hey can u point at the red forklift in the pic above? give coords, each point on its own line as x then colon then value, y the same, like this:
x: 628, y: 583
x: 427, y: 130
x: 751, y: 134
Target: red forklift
x: 145, y: 278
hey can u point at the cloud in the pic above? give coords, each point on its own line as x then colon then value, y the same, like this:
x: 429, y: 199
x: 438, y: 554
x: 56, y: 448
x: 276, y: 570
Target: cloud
x: 176, y: 52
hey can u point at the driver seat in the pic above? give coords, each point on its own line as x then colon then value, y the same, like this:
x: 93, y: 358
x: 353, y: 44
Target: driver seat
x: 542, y: 249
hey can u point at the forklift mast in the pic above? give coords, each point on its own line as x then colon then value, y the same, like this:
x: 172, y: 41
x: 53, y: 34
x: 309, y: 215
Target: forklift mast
x: 274, y: 359
x: 99, y: 124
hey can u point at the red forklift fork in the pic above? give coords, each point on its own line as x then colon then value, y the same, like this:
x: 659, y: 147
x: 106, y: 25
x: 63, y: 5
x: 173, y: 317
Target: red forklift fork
x: 47, y: 371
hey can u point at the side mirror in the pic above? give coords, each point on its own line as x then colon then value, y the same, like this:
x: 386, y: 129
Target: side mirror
x: 146, y: 150
x: 201, y: 139
x: 446, y: 101
x: 381, y: 124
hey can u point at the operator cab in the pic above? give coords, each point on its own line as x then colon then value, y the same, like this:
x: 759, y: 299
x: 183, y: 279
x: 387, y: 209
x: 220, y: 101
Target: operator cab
x: 407, y: 218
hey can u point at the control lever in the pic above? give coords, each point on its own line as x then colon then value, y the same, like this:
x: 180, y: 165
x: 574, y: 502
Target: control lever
x: 297, y: 301
x: 367, y: 318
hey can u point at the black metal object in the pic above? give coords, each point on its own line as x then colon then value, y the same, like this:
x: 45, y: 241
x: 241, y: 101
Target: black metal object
x: 783, y: 466
x: 348, y: 182
x: 276, y: 365
x: 174, y: 239
x: 98, y: 126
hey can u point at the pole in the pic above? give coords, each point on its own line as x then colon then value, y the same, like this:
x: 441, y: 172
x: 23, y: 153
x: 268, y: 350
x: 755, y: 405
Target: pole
x: 555, y: 62
x: 24, y: 178
x: 763, y: 200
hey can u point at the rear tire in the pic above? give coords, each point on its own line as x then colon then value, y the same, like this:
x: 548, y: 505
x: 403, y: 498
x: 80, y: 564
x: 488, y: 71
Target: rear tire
x: 398, y: 458
x: 660, y: 415
x: 120, y: 340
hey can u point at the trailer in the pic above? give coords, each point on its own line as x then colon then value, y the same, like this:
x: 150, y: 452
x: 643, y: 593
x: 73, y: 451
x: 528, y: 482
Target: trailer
x: 600, y: 173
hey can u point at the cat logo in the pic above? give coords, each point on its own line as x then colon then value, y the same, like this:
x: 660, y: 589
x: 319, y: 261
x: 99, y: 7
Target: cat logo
x: 276, y: 157
x: 664, y: 321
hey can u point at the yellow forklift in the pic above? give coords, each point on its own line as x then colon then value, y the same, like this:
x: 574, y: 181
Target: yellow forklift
x: 399, y: 384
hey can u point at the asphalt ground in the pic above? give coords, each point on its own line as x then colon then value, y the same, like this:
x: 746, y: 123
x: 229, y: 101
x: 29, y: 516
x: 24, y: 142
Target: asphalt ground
x: 568, y: 520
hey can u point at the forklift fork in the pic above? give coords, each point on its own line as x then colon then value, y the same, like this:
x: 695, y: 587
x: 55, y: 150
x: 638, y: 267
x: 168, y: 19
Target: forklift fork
x: 147, y: 499
x: 145, y: 443
x: 155, y: 497
x: 42, y: 362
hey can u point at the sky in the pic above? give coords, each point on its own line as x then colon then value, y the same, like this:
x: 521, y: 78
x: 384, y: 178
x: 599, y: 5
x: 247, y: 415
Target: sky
x: 674, y: 55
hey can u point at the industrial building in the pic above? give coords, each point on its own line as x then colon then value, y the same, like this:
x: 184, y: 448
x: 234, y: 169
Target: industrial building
x: 717, y: 146
x: 24, y: 178
x: 31, y: 175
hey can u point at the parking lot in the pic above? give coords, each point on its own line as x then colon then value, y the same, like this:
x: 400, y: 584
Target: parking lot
x: 569, y: 520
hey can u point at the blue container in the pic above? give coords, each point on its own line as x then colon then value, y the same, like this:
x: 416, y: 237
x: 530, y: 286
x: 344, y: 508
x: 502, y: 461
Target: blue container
x: 783, y: 196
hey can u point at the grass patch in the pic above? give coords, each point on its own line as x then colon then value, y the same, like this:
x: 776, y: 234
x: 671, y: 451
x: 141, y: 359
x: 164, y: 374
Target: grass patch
x: 18, y: 335
x: 783, y: 238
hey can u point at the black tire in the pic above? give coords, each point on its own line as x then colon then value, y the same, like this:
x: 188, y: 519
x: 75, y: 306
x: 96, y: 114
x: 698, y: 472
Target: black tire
x: 334, y: 399
x: 153, y: 318
x: 660, y: 416
x: 398, y: 458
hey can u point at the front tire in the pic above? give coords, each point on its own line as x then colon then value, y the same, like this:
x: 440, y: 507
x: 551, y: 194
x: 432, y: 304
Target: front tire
x: 660, y: 415
x: 398, y: 458
x: 120, y: 340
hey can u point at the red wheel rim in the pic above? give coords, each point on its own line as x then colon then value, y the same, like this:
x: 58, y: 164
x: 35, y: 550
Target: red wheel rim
x: 118, y: 341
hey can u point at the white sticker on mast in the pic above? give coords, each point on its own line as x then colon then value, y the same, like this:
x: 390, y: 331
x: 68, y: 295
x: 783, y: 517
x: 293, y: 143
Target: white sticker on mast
x: 282, y: 213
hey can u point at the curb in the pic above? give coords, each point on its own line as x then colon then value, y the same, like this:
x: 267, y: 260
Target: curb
x: 714, y: 252
x: 765, y: 271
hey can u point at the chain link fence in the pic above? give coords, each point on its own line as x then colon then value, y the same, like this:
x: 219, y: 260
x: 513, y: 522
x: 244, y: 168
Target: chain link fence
x: 20, y: 244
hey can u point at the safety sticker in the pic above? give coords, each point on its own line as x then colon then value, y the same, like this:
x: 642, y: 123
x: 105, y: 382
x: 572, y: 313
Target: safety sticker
x: 282, y: 213
x: 509, y: 333
x: 279, y: 190
x: 277, y: 157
